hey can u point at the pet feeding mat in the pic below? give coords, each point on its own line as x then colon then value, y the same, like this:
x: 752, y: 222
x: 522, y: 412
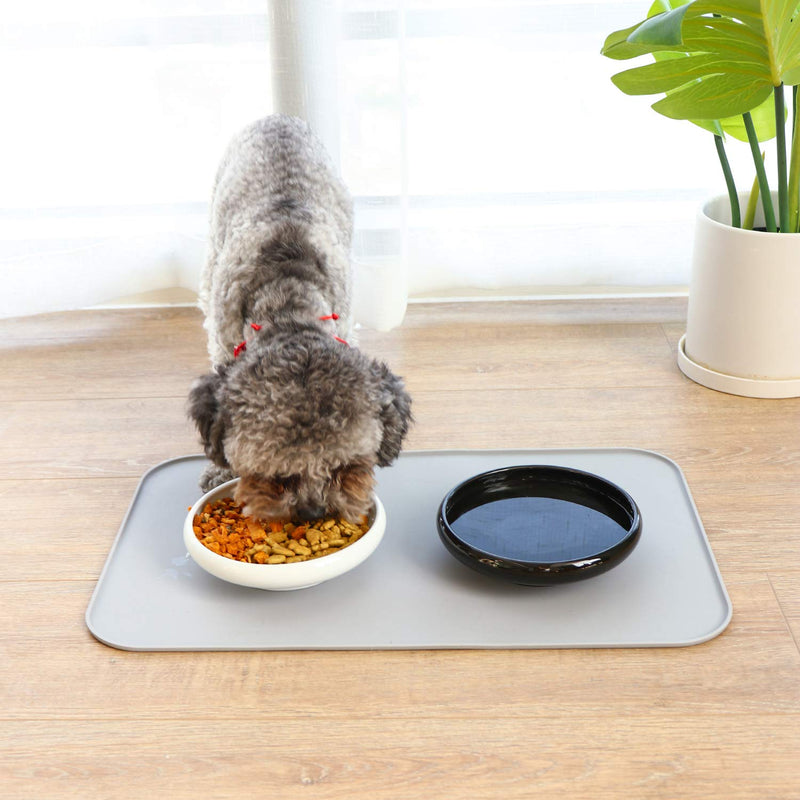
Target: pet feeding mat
x: 411, y: 594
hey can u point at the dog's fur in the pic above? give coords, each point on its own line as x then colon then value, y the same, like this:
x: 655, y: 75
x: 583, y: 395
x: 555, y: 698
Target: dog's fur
x: 301, y: 417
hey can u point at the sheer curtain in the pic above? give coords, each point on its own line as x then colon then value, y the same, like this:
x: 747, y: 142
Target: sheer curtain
x: 115, y: 116
x: 483, y: 142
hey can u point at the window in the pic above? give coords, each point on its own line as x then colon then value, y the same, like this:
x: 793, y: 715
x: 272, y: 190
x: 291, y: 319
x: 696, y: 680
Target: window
x: 483, y: 141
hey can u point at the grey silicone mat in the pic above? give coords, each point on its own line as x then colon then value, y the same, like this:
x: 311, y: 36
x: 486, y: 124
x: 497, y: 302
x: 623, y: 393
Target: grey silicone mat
x: 411, y: 594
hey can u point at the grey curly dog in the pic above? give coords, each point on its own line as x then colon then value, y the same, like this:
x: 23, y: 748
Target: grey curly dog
x: 297, y: 413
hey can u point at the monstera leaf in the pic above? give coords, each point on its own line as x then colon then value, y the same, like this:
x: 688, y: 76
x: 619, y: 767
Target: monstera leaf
x: 717, y: 61
x: 734, y: 53
x: 640, y: 80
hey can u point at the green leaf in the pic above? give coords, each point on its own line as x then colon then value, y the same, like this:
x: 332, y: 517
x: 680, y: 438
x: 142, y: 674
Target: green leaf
x: 738, y: 47
x: 717, y: 60
x: 711, y: 125
x: 784, y: 35
x: 717, y: 127
x: 662, y: 30
x: 661, y: 6
x: 619, y: 47
x: 664, y: 75
x: 622, y: 44
x: 715, y: 97
x: 762, y: 34
x: 763, y: 119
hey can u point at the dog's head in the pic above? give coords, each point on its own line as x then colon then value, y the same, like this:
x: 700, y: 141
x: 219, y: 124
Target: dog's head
x: 303, y: 420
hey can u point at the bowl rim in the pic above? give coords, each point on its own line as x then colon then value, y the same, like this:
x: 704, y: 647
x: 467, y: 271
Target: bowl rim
x: 299, y: 570
x: 594, y: 559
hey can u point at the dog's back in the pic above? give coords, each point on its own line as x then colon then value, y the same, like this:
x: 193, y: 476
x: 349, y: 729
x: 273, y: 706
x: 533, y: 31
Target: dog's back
x: 276, y: 201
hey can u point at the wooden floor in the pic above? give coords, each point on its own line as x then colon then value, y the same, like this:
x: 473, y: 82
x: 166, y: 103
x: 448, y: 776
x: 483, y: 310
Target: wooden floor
x: 89, y: 401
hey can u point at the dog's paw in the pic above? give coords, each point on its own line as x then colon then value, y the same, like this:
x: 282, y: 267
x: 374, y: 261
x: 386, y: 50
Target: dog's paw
x: 212, y: 476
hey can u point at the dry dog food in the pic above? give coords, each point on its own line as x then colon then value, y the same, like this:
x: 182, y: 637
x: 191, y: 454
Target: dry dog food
x: 222, y: 527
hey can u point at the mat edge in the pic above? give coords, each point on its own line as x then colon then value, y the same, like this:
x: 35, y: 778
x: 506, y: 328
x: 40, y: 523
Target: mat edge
x: 109, y: 558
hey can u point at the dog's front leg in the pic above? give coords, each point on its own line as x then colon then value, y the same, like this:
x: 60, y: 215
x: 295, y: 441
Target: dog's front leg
x: 212, y: 476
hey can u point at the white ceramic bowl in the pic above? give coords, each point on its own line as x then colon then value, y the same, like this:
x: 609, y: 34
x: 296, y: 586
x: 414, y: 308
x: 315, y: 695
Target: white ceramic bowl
x: 280, y: 577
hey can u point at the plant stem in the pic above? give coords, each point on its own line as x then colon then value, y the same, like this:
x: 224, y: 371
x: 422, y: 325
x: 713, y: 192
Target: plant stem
x: 736, y: 214
x: 750, y: 211
x: 780, y: 142
x: 766, y: 196
x: 794, y: 171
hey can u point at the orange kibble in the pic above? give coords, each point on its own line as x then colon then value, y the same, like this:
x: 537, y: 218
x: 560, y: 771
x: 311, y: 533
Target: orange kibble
x: 226, y: 532
x: 255, y: 530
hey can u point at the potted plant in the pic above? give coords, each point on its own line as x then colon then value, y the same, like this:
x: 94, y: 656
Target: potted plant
x: 728, y: 66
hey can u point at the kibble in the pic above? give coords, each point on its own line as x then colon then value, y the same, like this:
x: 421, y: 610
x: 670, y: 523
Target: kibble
x: 222, y: 528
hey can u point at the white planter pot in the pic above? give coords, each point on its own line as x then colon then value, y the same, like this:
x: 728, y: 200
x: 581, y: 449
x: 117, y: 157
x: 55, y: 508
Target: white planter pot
x: 743, y: 326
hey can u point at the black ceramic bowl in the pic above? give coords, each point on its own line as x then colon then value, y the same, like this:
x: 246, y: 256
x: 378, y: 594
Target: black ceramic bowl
x: 539, y: 525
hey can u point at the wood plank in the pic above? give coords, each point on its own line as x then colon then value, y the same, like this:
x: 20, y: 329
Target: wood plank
x: 515, y: 356
x: 554, y: 311
x: 89, y: 401
x: 150, y: 355
x: 122, y: 366
x: 49, y: 439
x: 72, y: 327
x: 523, y: 355
x: 143, y: 353
x: 690, y: 422
x: 94, y: 438
x: 785, y: 583
x: 169, y: 321
x: 548, y: 344
x: 490, y: 683
x: 69, y: 526
x: 724, y: 757
x: 673, y: 331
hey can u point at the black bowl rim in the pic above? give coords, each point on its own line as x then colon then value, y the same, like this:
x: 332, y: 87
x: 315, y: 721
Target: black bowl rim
x: 577, y: 564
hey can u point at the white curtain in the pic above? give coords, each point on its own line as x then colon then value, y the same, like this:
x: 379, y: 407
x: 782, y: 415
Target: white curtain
x: 483, y: 141
x: 115, y: 115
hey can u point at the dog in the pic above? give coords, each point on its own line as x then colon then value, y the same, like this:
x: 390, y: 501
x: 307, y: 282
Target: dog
x: 291, y: 406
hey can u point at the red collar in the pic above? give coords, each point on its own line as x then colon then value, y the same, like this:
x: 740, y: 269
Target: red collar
x: 242, y: 346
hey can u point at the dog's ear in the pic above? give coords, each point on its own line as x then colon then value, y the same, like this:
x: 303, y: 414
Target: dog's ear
x: 205, y: 410
x: 395, y: 414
